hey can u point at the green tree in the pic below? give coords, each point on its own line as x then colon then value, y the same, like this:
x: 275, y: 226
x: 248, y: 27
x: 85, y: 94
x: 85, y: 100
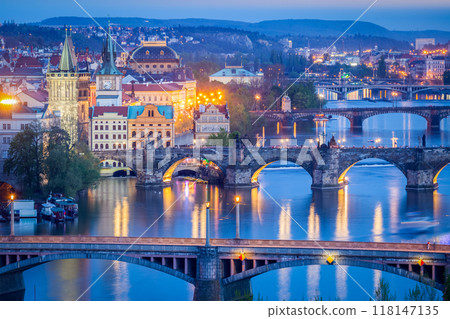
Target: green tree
x: 25, y: 158
x: 381, y: 68
x: 383, y: 291
x: 222, y: 135
x: 240, y: 119
x: 304, y: 96
x: 446, y: 77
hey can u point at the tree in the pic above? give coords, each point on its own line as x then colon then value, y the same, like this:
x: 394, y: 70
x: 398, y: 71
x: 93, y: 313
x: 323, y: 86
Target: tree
x: 382, y: 68
x: 222, y: 135
x: 422, y: 292
x: 446, y: 77
x: 44, y: 161
x: 304, y: 96
x: 25, y: 158
x: 383, y: 291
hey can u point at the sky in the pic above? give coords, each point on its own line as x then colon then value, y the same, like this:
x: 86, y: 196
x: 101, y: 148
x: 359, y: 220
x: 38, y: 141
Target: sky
x: 392, y: 14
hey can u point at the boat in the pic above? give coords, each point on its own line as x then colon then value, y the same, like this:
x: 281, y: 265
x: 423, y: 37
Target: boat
x: 419, y: 223
x: 69, y: 206
x: 58, y: 215
x: 46, y: 210
x: 24, y: 208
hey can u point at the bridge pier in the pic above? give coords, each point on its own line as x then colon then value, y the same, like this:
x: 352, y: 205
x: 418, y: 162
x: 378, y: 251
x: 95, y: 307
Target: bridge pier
x: 239, y: 177
x: 146, y: 180
x: 326, y: 179
x: 434, y: 123
x: 420, y: 179
x: 208, y: 278
x: 356, y: 124
x: 12, y: 286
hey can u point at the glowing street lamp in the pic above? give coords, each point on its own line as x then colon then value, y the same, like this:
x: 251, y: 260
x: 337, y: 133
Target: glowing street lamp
x: 12, y: 213
x: 207, y: 224
x: 237, y: 200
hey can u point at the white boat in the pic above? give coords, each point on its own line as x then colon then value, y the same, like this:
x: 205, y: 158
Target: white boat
x: 46, y: 210
x: 24, y: 208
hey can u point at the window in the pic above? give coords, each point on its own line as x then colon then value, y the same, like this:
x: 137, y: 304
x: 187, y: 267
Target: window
x: 101, y: 136
x: 114, y: 136
x: 6, y: 126
x: 119, y: 127
x: 106, y: 127
x: 5, y: 154
x: 169, y: 66
x: 96, y: 127
x: 114, y: 127
x: 6, y: 140
x: 114, y: 163
x: 159, y: 124
x: 107, y: 136
x: 168, y: 134
x: 101, y: 146
x: 101, y: 127
x: 167, y: 144
x: 142, y: 134
x: 155, y: 66
x: 96, y: 136
x: 134, y: 145
x: 22, y: 126
x: 96, y: 146
x: 150, y: 134
x: 114, y: 147
x: 106, y: 146
x: 162, y: 66
x: 120, y: 146
x: 133, y: 134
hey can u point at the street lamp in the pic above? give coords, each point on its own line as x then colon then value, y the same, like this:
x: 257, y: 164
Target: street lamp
x: 237, y: 200
x: 207, y: 224
x: 12, y: 213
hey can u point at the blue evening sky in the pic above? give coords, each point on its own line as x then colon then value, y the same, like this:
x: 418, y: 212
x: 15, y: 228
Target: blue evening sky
x: 392, y: 14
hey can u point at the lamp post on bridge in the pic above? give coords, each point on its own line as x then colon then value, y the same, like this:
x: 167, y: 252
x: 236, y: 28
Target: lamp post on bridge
x: 237, y: 200
x: 12, y: 214
x: 207, y: 225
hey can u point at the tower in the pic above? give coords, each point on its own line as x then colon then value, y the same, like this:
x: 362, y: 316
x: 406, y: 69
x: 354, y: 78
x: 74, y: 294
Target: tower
x: 68, y: 93
x: 62, y: 85
x: 109, y: 78
x: 286, y: 103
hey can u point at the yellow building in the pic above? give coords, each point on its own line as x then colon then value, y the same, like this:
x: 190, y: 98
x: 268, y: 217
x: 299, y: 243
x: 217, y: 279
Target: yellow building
x: 150, y: 123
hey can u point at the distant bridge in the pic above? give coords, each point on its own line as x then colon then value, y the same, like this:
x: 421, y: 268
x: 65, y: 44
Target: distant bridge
x: 356, y: 116
x: 404, y: 90
x: 216, y: 270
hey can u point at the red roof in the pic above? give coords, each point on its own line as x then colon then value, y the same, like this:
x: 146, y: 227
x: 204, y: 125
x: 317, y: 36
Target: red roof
x: 29, y: 62
x: 152, y: 87
x: 120, y: 110
x: 39, y: 95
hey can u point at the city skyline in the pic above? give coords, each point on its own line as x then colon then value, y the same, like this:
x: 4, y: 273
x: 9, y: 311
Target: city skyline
x: 391, y: 15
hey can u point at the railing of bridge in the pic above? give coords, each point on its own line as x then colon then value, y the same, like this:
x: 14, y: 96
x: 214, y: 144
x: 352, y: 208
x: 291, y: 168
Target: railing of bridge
x: 327, y: 245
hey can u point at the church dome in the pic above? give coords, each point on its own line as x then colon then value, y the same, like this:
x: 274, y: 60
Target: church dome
x: 154, y: 52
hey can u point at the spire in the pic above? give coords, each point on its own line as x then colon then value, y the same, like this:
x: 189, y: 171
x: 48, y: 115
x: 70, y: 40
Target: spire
x: 109, y: 56
x: 66, y: 63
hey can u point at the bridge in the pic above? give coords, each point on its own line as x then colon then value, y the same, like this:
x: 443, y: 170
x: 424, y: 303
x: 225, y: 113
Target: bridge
x: 356, y: 116
x: 404, y: 90
x: 240, y: 167
x: 216, y: 271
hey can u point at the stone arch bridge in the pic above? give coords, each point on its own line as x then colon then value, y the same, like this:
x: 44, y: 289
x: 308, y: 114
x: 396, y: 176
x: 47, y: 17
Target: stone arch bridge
x: 240, y: 167
x: 216, y: 271
x: 356, y: 116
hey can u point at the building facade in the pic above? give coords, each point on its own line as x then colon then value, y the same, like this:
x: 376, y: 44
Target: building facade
x: 150, y: 123
x: 109, y: 128
x: 210, y: 119
x: 154, y: 57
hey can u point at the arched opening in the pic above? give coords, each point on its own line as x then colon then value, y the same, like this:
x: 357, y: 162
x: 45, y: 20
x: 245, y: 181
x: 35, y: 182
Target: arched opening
x: 192, y: 164
x: 6, y: 190
x: 396, y: 121
x: 447, y: 173
x: 367, y: 162
x: 276, y: 165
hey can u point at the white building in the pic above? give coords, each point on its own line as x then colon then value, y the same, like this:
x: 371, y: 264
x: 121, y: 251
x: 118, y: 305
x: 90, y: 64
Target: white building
x: 422, y: 42
x: 435, y: 67
x: 14, y: 119
x: 210, y: 119
x: 237, y: 74
x: 109, y: 128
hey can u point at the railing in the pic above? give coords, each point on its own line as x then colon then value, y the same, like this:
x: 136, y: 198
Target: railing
x: 254, y: 243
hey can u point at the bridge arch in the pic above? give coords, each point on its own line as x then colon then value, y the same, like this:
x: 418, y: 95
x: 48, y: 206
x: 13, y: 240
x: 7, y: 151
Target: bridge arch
x: 39, y: 260
x: 342, y: 261
x: 347, y: 166
x: 170, y: 168
x: 257, y: 170
x: 114, y: 167
x: 439, y: 171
